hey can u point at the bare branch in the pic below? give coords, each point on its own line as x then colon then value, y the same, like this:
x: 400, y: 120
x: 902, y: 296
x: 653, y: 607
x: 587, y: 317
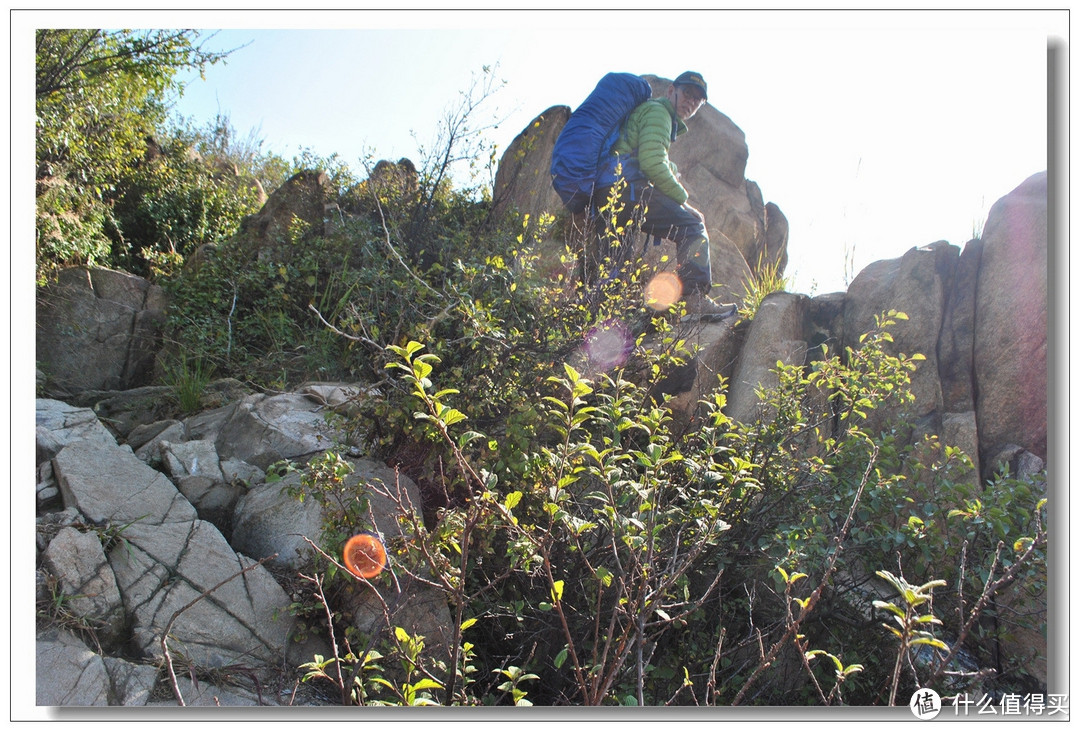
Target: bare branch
x: 793, y: 627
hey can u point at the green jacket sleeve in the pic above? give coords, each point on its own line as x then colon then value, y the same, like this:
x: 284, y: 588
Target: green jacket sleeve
x: 653, y: 122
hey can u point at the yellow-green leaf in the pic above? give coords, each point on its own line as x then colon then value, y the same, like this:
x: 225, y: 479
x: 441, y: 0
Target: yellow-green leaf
x: 932, y: 642
x: 425, y: 683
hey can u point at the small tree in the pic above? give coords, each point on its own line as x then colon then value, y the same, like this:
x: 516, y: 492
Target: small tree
x: 100, y: 95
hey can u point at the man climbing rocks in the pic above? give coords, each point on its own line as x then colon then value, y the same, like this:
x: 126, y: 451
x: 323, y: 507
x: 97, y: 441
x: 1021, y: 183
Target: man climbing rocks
x: 653, y: 187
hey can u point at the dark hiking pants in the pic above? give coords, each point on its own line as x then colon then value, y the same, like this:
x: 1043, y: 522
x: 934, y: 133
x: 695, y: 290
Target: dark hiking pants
x: 660, y: 216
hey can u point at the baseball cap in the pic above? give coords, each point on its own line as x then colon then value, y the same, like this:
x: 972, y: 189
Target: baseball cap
x: 692, y: 78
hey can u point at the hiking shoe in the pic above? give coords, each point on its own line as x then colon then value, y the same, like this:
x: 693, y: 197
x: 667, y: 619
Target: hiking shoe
x: 703, y: 308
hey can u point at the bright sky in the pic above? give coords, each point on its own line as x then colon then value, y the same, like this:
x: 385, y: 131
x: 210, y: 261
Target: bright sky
x: 873, y: 131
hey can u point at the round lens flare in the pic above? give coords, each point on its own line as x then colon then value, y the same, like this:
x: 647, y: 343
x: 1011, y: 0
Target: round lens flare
x: 365, y: 556
x: 607, y: 345
x: 663, y: 290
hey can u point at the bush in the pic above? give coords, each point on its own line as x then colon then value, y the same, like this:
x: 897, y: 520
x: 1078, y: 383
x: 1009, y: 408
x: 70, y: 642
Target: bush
x: 619, y: 563
x: 172, y: 204
x: 70, y: 228
x: 99, y: 96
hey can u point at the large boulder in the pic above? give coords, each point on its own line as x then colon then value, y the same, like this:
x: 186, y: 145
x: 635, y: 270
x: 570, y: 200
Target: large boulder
x: 261, y: 430
x: 98, y: 329
x: 1010, y: 343
x: 523, y: 187
x: 295, y: 210
x: 270, y: 520
x: 86, y: 582
x: 777, y: 334
x: 716, y: 347
x: 731, y: 275
x: 59, y: 424
x: 125, y: 410
x: 775, y: 252
x: 112, y: 485
x: 217, y: 607
x: 68, y: 672
x: 956, y: 345
x: 131, y: 683
x: 915, y: 284
x: 523, y: 180
x: 195, y: 469
x: 960, y: 430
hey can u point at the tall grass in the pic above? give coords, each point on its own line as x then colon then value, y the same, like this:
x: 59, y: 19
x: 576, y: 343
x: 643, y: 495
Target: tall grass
x: 766, y: 280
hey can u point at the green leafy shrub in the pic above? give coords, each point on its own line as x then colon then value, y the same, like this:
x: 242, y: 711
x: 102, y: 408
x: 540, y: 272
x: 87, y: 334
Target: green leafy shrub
x: 171, y: 205
x: 619, y: 563
x: 70, y: 228
x: 99, y: 96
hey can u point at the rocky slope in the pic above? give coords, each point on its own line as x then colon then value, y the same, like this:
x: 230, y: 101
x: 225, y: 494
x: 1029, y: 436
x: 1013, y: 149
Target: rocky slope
x: 166, y: 538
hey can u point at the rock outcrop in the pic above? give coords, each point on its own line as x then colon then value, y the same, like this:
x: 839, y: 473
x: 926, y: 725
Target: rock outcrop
x: 1011, y: 314
x: 984, y: 377
x: 98, y: 329
x: 134, y: 548
x: 778, y: 335
x: 295, y: 210
x: 746, y: 234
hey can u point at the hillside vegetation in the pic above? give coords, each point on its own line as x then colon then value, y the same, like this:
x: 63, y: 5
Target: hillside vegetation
x: 591, y: 552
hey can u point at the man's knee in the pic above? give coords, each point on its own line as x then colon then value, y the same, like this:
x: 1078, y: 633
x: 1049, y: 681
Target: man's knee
x: 697, y: 231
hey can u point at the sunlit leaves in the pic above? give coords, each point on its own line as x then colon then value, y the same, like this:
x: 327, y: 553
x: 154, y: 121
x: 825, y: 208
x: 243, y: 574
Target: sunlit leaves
x: 514, y: 677
x: 909, y: 621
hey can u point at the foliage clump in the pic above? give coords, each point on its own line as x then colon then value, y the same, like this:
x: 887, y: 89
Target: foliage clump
x: 100, y: 98
x: 622, y: 563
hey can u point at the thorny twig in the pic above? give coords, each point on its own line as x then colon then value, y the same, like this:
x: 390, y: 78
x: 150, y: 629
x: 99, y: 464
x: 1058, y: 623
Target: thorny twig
x: 397, y: 255
x: 333, y: 637
x: 710, y: 687
x: 347, y: 336
x: 387, y: 610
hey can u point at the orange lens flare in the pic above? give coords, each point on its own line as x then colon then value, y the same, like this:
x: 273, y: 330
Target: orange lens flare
x: 663, y: 291
x: 365, y: 556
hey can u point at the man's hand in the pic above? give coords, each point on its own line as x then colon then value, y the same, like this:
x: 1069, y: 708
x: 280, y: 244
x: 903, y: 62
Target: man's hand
x: 693, y: 210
